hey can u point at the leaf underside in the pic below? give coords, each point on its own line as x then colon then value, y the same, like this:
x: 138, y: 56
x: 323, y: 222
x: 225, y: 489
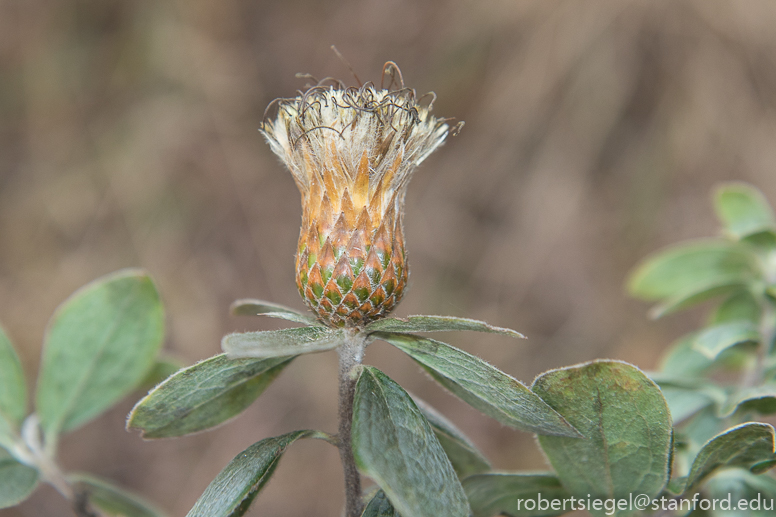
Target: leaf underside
x: 236, y: 486
x: 414, y: 324
x: 250, y: 307
x: 395, y: 446
x: 502, y: 493
x: 461, y: 452
x: 111, y: 499
x: 483, y: 386
x: 204, y: 395
x: 280, y: 343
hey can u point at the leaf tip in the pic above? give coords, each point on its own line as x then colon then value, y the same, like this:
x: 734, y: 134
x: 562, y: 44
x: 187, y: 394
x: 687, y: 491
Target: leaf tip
x: 237, y: 308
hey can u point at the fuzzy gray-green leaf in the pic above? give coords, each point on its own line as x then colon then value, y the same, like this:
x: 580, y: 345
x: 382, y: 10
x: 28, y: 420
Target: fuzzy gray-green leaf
x: 698, y: 294
x: 687, y: 395
x: 250, y: 307
x: 233, y: 490
x: 740, y: 485
x: 627, y: 429
x: 395, y: 446
x: 761, y: 399
x: 682, y: 360
x: 436, y: 324
x: 461, y: 452
x: 17, y: 481
x: 743, y: 210
x: 688, y: 273
x: 741, y: 446
x: 112, y: 500
x: 13, y: 391
x: 714, y: 340
x: 101, y: 343
x: 204, y: 395
x: 739, y: 306
x: 503, y: 493
x: 483, y: 386
x: 280, y: 343
x: 379, y: 506
x: 684, y: 403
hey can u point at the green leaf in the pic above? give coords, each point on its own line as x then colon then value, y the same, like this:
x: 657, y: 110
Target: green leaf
x: 710, y: 389
x: 687, y: 395
x: 763, y: 466
x: 280, y: 343
x: 17, y: 481
x: 461, y: 452
x: 395, y: 446
x: 231, y: 493
x: 695, y: 296
x: 486, y: 388
x: 497, y: 493
x: 764, y: 241
x: 682, y: 360
x: 204, y: 395
x: 760, y: 399
x: 250, y: 307
x: 743, y: 210
x: 712, y: 341
x: 627, y: 426
x: 100, y: 345
x: 700, y: 428
x: 112, y: 500
x: 740, y: 306
x: 683, y: 403
x: 13, y: 391
x: 676, y: 485
x: 436, y: 324
x: 379, y: 506
x: 740, y: 485
x: 741, y: 446
x: 683, y: 274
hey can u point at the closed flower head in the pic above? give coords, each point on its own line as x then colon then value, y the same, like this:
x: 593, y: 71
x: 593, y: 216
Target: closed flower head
x: 352, y: 152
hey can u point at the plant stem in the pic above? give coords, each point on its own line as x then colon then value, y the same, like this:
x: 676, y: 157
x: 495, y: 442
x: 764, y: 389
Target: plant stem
x: 351, y: 352
x: 755, y: 375
x: 31, y: 451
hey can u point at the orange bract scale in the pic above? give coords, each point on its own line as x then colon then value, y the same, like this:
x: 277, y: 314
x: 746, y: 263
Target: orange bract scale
x: 352, y: 152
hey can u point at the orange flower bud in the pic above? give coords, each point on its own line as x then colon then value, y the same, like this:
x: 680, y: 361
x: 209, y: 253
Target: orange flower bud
x: 352, y: 152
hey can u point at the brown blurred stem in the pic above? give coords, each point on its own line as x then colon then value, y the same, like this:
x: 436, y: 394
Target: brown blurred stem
x: 351, y: 352
x: 755, y: 375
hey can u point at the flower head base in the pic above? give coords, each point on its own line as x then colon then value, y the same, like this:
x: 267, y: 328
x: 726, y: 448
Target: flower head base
x: 352, y: 152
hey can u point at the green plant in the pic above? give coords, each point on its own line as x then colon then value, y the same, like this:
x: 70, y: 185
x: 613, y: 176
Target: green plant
x: 619, y: 441
x: 605, y: 426
x: 352, y: 152
x: 719, y: 380
x: 716, y: 382
x: 101, y: 344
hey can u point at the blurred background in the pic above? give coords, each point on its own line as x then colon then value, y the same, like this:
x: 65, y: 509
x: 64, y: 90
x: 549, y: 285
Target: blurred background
x: 594, y: 134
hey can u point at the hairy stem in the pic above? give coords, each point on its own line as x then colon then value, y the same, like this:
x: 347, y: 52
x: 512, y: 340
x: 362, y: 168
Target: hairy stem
x: 31, y: 451
x: 351, y: 352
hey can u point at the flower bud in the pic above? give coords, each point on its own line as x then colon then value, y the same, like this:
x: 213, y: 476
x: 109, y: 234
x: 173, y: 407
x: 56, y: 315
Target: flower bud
x: 352, y: 152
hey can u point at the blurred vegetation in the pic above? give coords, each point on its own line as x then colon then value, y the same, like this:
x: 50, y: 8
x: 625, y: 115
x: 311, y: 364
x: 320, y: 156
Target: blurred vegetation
x: 594, y: 132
